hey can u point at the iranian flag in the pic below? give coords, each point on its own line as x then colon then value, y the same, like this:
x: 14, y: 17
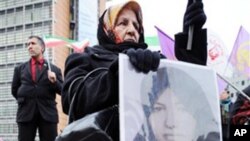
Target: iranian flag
x: 54, y: 41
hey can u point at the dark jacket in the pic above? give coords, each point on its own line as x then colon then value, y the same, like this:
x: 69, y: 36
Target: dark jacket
x: 40, y: 95
x: 239, y: 102
x: 101, y: 91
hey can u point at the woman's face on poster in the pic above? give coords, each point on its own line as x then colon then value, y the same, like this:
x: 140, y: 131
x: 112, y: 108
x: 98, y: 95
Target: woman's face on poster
x: 169, y: 119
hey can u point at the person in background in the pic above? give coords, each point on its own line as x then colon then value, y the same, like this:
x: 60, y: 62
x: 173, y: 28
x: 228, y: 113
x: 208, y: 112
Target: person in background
x: 240, y: 109
x: 120, y: 30
x: 224, y: 96
x: 34, y: 87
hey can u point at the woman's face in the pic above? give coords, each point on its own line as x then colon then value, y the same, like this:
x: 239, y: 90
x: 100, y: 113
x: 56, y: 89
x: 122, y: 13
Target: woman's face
x: 170, y: 121
x: 127, y: 26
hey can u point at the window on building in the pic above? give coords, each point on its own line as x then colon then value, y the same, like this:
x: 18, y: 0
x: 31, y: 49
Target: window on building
x: 19, y: 15
x: 10, y: 35
x: 3, y: 3
x: 3, y: 19
x: 47, y: 27
x: 28, y: 31
x: 3, y: 75
x: 21, y: 55
x: 2, y: 37
x: 37, y: 12
x: 18, y: 35
x: 28, y: 14
x: 47, y: 10
x: 10, y: 3
x: 3, y: 57
x: 10, y: 17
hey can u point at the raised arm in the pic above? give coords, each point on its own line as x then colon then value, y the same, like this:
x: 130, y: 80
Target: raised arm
x: 194, y: 16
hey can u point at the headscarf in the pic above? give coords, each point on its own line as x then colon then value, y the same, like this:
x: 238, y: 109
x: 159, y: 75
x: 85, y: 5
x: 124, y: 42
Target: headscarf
x: 106, y: 34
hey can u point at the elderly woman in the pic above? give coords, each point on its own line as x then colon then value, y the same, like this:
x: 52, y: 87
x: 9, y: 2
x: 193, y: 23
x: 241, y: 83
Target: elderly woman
x: 120, y: 30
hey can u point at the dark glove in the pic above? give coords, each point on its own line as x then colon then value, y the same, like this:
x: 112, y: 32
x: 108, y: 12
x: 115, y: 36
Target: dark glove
x: 194, y: 15
x: 144, y: 60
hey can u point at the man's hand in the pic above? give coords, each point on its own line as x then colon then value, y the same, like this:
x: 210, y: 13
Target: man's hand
x: 51, y: 76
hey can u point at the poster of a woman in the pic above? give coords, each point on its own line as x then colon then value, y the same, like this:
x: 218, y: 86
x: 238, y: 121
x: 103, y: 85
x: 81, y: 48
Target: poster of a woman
x: 172, y: 105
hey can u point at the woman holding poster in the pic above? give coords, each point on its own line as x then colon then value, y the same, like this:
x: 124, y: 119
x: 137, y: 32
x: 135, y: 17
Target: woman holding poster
x: 121, y: 30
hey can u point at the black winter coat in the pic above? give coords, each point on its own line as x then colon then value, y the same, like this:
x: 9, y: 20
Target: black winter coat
x: 102, y: 90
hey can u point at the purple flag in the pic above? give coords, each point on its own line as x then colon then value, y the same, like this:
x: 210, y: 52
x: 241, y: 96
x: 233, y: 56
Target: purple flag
x: 240, y: 55
x: 221, y: 85
x: 167, y: 44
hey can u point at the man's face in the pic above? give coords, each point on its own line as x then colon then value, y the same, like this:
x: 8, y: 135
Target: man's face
x: 127, y: 26
x: 34, y: 48
x: 169, y: 119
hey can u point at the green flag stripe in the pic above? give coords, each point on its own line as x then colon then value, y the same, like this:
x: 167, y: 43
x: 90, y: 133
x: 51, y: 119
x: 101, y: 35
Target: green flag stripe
x: 152, y: 40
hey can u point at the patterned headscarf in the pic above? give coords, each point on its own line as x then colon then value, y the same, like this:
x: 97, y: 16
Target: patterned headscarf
x: 111, y: 16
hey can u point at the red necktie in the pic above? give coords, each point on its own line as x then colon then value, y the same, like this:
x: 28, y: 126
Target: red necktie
x: 37, y: 71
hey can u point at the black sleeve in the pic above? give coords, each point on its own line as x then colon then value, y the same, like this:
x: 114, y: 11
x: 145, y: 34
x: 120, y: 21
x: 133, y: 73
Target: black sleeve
x: 16, y: 82
x: 59, y: 81
x: 98, y: 92
x: 198, y: 53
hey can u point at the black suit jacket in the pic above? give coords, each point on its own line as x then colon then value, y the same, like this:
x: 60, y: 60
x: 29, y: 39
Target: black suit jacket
x: 41, y: 95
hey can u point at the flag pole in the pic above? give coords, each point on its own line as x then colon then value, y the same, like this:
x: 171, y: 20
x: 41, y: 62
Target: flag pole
x: 190, y: 36
x: 47, y: 54
x: 236, y: 88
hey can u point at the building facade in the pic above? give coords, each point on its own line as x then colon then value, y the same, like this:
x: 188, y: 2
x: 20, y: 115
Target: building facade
x: 19, y: 20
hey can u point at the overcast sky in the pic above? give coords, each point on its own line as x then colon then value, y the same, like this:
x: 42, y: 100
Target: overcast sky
x: 224, y: 17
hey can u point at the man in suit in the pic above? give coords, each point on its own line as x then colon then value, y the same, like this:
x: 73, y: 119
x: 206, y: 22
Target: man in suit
x: 34, y: 86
